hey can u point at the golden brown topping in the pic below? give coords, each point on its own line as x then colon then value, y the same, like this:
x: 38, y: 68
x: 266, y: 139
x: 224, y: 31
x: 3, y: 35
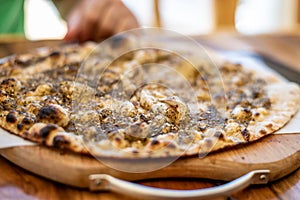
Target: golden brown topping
x: 67, y: 88
x: 177, y: 110
x: 3, y: 96
x: 10, y: 85
x: 230, y: 68
x: 241, y: 114
x: 104, y: 113
x: 232, y: 128
x: 153, y: 116
x: 127, y: 109
x: 144, y: 118
x: 203, y: 96
x: 43, y: 89
x: 33, y: 108
x: 60, y: 140
x: 145, y: 56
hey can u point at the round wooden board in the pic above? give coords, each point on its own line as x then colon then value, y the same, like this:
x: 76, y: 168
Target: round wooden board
x: 278, y: 153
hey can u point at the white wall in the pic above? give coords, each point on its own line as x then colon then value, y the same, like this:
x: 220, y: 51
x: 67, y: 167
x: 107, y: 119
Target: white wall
x: 42, y: 21
x: 185, y: 16
x: 263, y: 16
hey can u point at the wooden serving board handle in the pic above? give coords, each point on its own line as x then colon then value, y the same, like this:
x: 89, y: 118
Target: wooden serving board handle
x: 278, y: 153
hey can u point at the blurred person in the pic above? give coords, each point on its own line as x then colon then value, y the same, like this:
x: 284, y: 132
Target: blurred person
x: 86, y: 19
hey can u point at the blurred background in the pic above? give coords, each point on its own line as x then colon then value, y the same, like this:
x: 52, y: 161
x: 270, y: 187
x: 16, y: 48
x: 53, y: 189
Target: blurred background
x: 192, y: 17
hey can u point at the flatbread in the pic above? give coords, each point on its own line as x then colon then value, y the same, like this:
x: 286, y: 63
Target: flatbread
x: 117, y: 118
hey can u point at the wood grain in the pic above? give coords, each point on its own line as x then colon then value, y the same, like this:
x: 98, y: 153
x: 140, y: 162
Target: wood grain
x: 287, y: 188
x: 298, y: 12
x: 156, y: 11
x: 278, y: 153
x: 17, y: 183
x: 224, y: 14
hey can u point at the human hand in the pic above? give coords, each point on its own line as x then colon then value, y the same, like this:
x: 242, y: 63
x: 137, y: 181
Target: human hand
x: 98, y: 19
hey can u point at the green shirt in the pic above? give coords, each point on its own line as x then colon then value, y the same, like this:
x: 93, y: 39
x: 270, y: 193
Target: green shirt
x: 11, y: 16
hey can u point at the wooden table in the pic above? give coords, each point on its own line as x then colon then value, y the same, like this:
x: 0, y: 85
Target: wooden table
x: 284, y: 50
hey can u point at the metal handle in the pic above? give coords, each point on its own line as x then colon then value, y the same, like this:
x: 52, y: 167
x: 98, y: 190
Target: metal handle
x: 107, y: 182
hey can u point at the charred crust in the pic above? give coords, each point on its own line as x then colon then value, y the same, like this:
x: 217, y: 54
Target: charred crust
x: 230, y: 68
x: 104, y: 113
x: 59, y: 141
x: 144, y: 118
x: 221, y: 136
x: 247, y: 110
x: 19, y: 126
x: 202, y: 127
x: 11, y: 117
x: 246, y: 134
x: 217, y: 133
x: 154, y: 142
x: 172, y: 114
x: 135, y: 151
x: 8, y: 82
x: 263, y: 131
x: 256, y: 94
x: 26, y: 133
x: 24, y: 63
x: 3, y: 93
x: 54, y: 54
x: 27, y: 121
x: 269, y: 126
x: 47, y: 130
x: 99, y: 94
x: 117, y: 139
x: 48, y: 112
x: 256, y: 114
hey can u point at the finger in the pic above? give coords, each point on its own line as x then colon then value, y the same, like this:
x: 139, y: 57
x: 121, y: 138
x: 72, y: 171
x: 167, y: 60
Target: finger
x: 105, y: 28
x: 92, y: 10
x: 126, y: 24
x: 117, y: 18
x: 73, y: 24
x: 128, y: 20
